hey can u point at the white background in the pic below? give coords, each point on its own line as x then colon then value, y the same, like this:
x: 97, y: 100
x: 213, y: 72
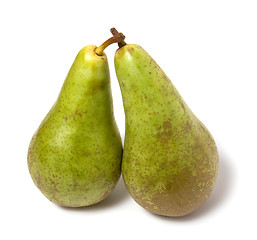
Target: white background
x: 207, y: 48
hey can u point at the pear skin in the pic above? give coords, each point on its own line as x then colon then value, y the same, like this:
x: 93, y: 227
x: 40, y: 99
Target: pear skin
x: 170, y: 159
x: 74, y: 157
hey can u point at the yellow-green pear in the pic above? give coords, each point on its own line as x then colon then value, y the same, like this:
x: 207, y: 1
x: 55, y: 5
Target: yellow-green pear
x: 74, y: 157
x: 170, y: 160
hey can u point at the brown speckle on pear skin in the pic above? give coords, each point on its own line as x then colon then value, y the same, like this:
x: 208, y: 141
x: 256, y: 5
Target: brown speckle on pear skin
x: 131, y: 50
x: 183, y: 106
x: 167, y: 125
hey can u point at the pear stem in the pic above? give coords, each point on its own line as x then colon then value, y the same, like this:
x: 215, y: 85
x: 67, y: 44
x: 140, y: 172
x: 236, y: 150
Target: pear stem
x: 115, y: 32
x: 116, y: 38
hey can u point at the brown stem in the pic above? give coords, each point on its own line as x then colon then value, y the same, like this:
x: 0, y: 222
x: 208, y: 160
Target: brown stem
x: 121, y: 43
x: 116, y: 38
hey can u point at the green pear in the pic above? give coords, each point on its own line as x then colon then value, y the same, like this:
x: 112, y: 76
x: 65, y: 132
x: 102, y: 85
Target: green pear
x: 74, y: 157
x: 170, y: 159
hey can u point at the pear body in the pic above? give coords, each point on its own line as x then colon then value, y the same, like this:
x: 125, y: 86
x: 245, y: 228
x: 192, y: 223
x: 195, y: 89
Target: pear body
x: 74, y: 157
x: 170, y: 160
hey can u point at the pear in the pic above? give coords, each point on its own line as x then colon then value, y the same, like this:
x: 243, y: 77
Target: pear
x: 170, y: 159
x: 74, y: 157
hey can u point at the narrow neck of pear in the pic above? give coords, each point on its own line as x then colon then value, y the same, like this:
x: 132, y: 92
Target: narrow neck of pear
x: 116, y: 38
